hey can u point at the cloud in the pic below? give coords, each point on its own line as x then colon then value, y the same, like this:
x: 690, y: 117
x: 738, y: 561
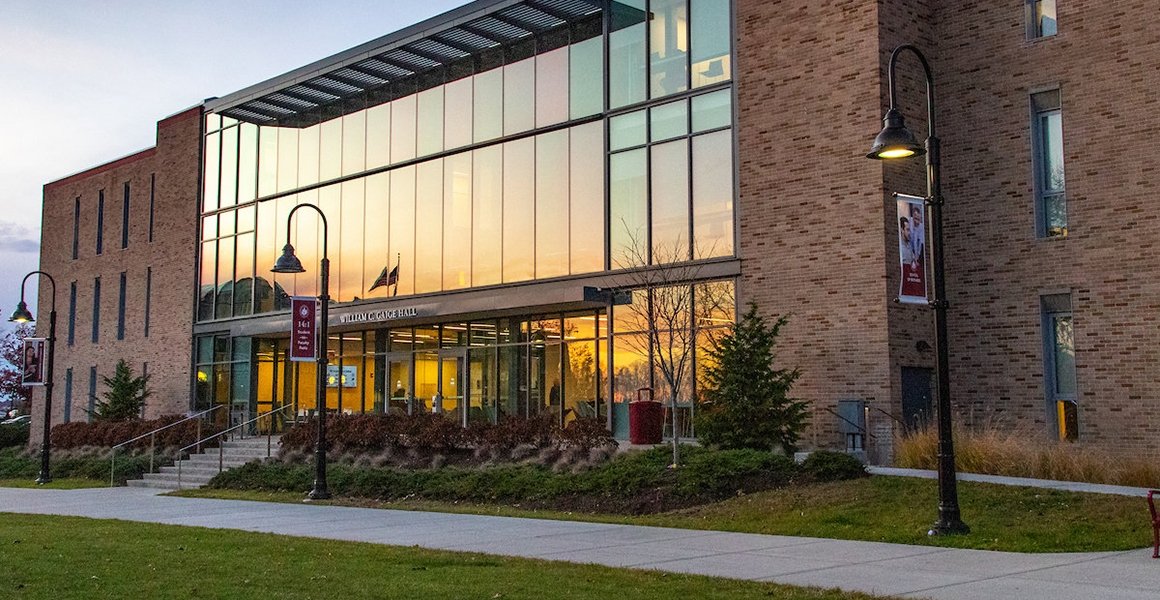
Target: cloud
x: 18, y: 238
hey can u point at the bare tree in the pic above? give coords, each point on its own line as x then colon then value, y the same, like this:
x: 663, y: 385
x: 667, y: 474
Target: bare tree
x: 670, y: 313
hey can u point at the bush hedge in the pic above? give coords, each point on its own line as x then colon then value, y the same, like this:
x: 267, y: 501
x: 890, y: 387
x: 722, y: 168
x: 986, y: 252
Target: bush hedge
x: 89, y: 463
x: 106, y: 434
x: 13, y: 435
x: 637, y: 482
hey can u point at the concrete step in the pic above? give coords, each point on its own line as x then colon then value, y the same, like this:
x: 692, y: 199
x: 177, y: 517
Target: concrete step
x: 198, y: 469
x: 228, y: 456
x: 185, y: 477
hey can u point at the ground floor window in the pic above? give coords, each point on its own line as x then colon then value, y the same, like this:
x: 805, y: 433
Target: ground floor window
x: 1059, y: 365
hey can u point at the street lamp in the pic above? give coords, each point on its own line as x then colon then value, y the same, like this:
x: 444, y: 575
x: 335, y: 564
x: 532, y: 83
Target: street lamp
x: 22, y: 315
x: 896, y: 141
x: 288, y: 263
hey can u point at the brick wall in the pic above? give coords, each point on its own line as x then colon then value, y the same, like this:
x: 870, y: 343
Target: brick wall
x: 171, y: 257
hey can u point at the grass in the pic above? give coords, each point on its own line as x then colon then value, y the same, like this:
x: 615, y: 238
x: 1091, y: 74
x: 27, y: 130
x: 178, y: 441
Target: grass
x: 1020, y: 452
x: 883, y: 509
x: 69, y: 483
x: 68, y: 557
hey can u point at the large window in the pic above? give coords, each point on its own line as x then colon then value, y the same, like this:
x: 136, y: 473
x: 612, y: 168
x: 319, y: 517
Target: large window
x: 1047, y: 149
x: 1059, y: 365
x: 1041, y: 18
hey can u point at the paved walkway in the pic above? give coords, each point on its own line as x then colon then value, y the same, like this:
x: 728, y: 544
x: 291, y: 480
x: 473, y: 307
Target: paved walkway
x: 888, y: 569
x: 1070, y: 486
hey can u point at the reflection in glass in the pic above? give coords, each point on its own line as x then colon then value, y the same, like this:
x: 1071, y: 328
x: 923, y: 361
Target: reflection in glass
x: 378, y: 136
x: 519, y: 96
x: 629, y: 209
x: 266, y: 252
x: 579, y: 380
x: 488, y: 103
x: 626, y: 131
x: 403, y: 129
x: 586, y: 204
x: 430, y: 121
x: 457, y: 107
x: 244, y: 279
x: 402, y: 237
x: 710, y: 41
x: 713, y: 194
x: 552, y: 87
x: 210, y: 172
x: 246, y: 218
x: 208, y: 288
x: 481, y: 403
x: 586, y: 78
x: 551, y: 210
x: 713, y: 110
x: 228, y: 196
x: 632, y: 373
x: 354, y: 142
x: 626, y: 68
x: 350, y: 240
x: 307, y: 240
x: 670, y: 202
x: 247, y: 162
x: 519, y: 248
x: 376, y: 230
x: 429, y: 226
x: 328, y: 153
x: 224, y: 307
x: 669, y: 121
x: 287, y: 159
x: 668, y: 44
x: 267, y: 160
x: 457, y: 221
x: 487, y: 216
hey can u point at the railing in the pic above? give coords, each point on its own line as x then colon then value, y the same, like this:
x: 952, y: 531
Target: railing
x: 152, y: 435
x: 221, y: 447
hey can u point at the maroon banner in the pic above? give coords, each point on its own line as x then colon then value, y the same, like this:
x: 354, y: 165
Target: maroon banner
x: 912, y: 249
x: 303, y: 328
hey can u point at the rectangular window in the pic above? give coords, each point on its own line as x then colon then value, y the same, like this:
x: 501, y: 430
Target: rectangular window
x: 148, y: 296
x: 121, y: 308
x: 100, y: 221
x: 1041, y: 18
x: 76, y: 227
x: 1047, y: 156
x: 125, y: 218
x: 1059, y: 365
x: 92, y: 392
x: 152, y: 191
x: 72, y: 312
x: 68, y: 395
x: 96, y: 309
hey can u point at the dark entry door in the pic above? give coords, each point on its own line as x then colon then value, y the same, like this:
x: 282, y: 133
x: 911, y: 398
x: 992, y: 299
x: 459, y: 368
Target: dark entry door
x: 917, y: 397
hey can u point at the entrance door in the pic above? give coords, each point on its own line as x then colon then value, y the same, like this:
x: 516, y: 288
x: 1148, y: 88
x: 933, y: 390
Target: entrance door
x: 452, y: 385
x: 917, y: 403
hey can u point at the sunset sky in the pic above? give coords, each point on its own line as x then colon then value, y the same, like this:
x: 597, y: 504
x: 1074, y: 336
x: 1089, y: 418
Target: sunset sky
x: 84, y: 82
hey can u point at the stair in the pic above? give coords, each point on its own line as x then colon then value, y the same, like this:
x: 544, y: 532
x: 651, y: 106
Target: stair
x: 198, y: 469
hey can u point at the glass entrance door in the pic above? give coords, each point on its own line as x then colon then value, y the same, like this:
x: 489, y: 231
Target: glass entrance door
x: 451, y: 385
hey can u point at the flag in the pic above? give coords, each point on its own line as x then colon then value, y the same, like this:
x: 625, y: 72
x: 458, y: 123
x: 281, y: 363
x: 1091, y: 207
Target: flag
x: 386, y: 278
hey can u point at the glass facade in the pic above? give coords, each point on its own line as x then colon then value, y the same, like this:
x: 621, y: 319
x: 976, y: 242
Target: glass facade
x: 604, y: 144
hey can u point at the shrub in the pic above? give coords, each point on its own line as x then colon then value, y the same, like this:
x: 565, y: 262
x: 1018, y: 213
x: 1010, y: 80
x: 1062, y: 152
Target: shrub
x: 13, y: 435
x: 748, y: 403
x: 1020, y: 452
x: 85, y: 463
x: 106, y: 434
x: 827, y: 465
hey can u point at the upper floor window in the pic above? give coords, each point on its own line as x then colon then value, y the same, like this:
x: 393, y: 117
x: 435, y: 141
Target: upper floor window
x: 76, y: 227
x: 125, y: 217
x: 1059, y: 365
x: 100, y: 221
x: 1047, y: 150
x: 1041, y: 18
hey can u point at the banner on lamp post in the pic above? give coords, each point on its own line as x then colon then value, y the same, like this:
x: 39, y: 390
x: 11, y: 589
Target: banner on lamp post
x: 912, y: 249
x: 32, y: 363
x: 304, y: 328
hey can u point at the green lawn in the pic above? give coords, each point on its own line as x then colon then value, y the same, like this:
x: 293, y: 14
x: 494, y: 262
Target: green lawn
x: 55, y: 558
x: 885, y: 509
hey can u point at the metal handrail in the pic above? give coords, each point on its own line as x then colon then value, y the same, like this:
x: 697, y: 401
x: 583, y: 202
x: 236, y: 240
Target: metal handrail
x: 152, y: 435
x: 221, y: 447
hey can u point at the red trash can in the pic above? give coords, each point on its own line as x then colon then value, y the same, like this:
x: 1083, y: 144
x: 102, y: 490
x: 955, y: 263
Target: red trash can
x: 646, y: 421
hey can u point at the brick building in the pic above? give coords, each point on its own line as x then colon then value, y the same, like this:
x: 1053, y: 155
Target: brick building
x: 459, y: 152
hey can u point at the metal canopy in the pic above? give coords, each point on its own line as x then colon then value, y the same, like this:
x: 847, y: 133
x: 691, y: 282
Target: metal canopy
x: 297, y: 98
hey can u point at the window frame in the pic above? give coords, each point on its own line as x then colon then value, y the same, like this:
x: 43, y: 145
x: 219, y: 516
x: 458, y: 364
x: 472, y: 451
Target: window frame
x: 1045, y: 103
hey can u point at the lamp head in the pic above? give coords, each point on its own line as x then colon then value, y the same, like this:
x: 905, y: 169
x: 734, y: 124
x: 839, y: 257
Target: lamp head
x: 895, y: 140
x: 21, y: 314
x: 288, y: 263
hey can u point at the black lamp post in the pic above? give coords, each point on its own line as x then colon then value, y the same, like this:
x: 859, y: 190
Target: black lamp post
x: 896, y: 141
x: 22, y: 315
x: 288, y: 263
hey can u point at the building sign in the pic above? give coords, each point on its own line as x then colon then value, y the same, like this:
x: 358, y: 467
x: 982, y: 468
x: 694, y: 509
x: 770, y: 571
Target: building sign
x: 32, y: 364
x: 304, y: 328
x: 912, y: 249
x: 348, y: 377
x: 386, y: 314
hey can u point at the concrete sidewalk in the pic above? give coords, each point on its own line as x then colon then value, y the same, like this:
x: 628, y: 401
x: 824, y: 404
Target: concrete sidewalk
x: 877, y: 568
